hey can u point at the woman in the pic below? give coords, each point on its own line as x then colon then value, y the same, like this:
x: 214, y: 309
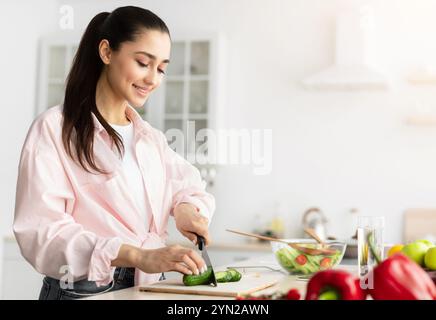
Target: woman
x: 96, y: 183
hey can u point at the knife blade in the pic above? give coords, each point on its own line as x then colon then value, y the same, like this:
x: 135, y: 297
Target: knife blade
x: 205, y: 256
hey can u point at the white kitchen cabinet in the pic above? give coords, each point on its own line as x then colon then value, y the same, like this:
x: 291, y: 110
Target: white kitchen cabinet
x: 191, y: 97
x: 19, y: 280
x: 56, y: 53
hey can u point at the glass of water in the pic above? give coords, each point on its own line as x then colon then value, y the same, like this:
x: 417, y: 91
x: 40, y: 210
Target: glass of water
x: 369, y: 242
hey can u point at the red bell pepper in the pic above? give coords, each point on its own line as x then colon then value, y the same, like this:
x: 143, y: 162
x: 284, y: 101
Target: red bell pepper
x: 400, y: 278
x: 334, y: 285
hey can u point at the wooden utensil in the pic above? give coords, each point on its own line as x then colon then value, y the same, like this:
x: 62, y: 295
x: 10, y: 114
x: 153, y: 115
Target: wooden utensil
x: 313, y: 234
x: 309, y: 251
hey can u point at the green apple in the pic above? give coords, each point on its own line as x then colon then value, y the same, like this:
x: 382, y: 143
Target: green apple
x: 430, y: 258
x: 426, y: 242
x: 415, y: 251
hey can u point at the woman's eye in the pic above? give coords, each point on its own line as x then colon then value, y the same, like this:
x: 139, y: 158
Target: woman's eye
x: 142, y: 64
x: 146, y: 66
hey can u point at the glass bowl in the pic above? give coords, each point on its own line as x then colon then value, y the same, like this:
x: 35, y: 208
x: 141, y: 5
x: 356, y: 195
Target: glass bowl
x: 296, y: 262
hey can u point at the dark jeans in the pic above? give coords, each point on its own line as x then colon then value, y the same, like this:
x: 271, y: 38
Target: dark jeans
x: 51, y: 290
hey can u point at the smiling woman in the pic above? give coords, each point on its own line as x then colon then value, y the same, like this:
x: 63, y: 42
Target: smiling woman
x: 109, y: 67
x: 96, y: 183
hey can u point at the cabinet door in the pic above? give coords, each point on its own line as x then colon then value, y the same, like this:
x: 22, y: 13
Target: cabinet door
x: 187, y: 100
x: 55, y: 58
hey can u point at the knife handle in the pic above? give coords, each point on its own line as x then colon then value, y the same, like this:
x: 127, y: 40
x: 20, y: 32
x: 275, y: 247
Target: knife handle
x: 200, y: 241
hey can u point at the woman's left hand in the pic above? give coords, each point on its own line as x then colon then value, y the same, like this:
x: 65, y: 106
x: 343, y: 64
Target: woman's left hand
x: 190, y: 223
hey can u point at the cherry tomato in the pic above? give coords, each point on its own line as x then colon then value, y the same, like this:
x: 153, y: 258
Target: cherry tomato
x: 293, y: 294
x: 325, y: 263
x: 301, y: 259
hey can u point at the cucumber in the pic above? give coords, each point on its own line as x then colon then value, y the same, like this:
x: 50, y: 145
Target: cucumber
x: 223, y: 276
x: 196, y: 280
x: 230, y: 275
x: 236, y: 276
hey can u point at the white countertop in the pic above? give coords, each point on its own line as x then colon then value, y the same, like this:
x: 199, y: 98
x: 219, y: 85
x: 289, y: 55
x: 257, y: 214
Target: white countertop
x: 284, y: 283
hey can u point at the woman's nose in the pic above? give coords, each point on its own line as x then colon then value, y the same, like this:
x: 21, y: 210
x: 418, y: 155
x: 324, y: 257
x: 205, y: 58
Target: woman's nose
x: 151, y: 78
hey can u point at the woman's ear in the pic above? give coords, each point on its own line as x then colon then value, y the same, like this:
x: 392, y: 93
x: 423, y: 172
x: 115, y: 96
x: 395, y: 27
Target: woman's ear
x: 105, y: 51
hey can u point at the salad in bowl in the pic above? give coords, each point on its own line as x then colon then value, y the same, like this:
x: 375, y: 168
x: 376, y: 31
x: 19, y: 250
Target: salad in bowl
x: 305, y: 256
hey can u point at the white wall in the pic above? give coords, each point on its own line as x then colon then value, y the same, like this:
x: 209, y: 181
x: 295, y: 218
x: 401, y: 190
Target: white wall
x: 335, y: 150
x: 21, y: 24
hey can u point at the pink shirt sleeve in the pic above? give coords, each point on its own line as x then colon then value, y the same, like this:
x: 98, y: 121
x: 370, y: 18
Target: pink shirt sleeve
x: 186, y: 182
x: 48, y: 236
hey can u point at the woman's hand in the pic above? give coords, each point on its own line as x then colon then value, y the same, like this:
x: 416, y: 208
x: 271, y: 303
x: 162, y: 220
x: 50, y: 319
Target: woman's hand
x: 190, y: 223
x: 172, y: 258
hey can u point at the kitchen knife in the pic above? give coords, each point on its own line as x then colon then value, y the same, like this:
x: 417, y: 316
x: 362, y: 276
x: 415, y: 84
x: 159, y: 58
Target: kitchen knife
x: 205, y: 256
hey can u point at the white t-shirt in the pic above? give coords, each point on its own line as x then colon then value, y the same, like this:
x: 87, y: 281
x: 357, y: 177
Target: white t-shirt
x: 131, y: 170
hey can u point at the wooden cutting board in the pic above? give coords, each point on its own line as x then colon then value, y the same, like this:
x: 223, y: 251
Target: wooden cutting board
x: 419, y: 223
x: 249, y: 283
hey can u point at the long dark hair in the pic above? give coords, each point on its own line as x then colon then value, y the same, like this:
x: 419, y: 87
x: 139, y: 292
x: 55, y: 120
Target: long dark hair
x: 121, y: 25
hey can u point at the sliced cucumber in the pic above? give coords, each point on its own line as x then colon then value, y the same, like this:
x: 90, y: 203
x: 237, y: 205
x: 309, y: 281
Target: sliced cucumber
x: 195, y: 280
x: 231, y: 275
x: 223, y: 276
x: 236, y: 275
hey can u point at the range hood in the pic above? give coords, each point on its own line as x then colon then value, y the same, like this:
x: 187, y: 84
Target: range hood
x: 354, y: 54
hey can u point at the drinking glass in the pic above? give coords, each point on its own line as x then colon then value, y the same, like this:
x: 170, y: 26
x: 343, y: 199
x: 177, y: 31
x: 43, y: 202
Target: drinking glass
x: 369, y: 243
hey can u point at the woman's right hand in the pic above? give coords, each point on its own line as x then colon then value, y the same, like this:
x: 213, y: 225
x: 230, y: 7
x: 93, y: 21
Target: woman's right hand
x: 172, y: 258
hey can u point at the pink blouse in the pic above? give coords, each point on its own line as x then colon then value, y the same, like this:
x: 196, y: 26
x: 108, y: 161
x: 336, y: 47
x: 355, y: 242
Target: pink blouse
x: 69, y: 220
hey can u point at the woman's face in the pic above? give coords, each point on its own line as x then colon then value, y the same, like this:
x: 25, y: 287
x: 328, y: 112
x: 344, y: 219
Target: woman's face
x: 138, y: 67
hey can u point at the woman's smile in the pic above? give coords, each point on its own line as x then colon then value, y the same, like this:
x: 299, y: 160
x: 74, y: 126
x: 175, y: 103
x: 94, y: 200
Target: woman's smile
x: 142, y: 91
